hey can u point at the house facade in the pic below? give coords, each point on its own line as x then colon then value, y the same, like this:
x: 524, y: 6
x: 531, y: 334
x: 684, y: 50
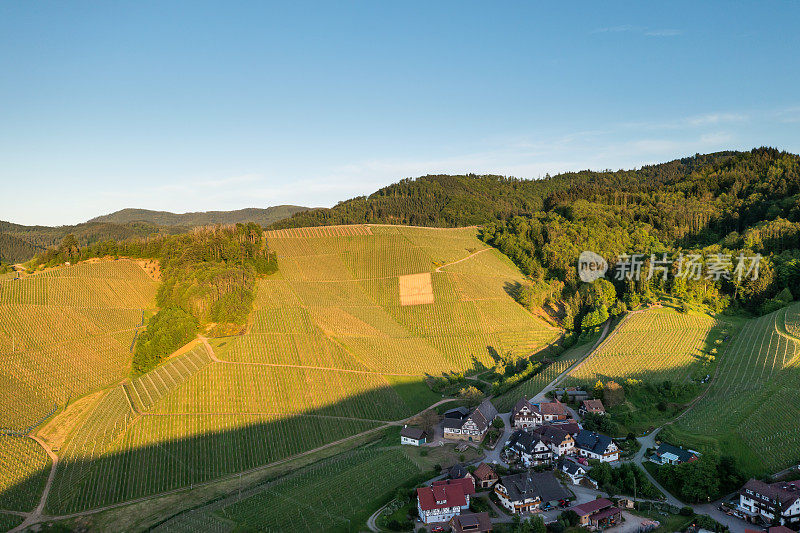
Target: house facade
x: 484, y: 476
x: 576, y: 471
x: 526, y: 492
x: 472, y: 428
x: 771, y: 501
x: 557, y: 438
x: 596, y: 446
x: 526, y: 415
x: 597, y: 514
x: 412, y: 436
x: 443, y: 500
x: 528, y: 449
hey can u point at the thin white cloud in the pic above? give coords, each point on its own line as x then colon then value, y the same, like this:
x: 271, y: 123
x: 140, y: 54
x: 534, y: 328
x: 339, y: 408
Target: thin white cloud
x: 640, y: 30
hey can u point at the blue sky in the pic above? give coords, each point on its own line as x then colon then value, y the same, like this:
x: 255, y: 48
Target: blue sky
x: 186, y: 106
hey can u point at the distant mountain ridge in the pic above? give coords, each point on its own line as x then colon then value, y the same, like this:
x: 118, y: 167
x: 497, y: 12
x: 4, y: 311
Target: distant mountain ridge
x: 264, y: 217
x: 20, y: 243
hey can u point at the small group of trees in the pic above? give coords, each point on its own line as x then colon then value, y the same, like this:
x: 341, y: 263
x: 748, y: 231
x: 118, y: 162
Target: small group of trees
x: 703, y: 480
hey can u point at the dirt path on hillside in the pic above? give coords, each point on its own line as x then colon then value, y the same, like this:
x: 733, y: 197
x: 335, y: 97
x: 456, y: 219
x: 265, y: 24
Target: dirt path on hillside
x: 473, y: 254
x: 36, y: 516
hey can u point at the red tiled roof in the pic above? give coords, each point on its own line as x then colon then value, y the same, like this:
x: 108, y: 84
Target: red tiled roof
x: 780, y: 529
x: 552, y: 408
x: 452, y: 496
x: 592, y: 506
x: 594, y: 405
x: 467, y: 484
x: 605, y: 513
x: 484, y: 472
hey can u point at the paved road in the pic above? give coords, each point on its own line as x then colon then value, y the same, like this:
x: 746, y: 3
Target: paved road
x: 649, y: 441
x: 493, y: 456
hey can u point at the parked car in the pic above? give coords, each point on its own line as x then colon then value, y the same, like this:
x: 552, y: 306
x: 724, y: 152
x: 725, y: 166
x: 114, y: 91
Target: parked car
x: 437, y: 529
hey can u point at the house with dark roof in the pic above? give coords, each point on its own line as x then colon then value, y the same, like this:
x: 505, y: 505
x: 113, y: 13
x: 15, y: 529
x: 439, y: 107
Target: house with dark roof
x: 526, y: 415
x: 596, y: 446
x: 576, y: 471
x: 528, y: 449
x: 574, y: 394
x: 557, y: 439
x: 457, y: 471
x: 472, y: 428
x: 443, y: 500
x: 667, y: 454
x: 771, y: 501
x: 592, y: 406
x: 524, y: 493
x: 597, y: 514
x: 459, y: 413
x: 412, y: 436
x: 471, y: 523
x: 485, y: 476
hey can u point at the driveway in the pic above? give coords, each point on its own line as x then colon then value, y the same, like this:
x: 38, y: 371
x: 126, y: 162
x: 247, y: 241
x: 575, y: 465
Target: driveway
x: 493, y: 456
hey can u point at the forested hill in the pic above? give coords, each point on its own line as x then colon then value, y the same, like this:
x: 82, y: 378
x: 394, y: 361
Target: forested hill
x: 700, y: 198
x: 263, y: 217
x: 13, y: 249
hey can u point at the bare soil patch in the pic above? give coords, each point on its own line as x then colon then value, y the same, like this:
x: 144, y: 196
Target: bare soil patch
x: 416, y: 289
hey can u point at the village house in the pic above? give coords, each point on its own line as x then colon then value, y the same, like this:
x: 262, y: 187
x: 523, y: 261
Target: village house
x: 771, y: 500
x: 471, y: 523
x: 526, y: 492
x: 596, y: 446
x: 667, y: 454
x: 597, y: 514
x: 412, y: 436
x: 457, y: 471
x: 484, y: 476
x: 528, y: 449
x: 526, y: 415
x: 558, y: 439
x: 443, y: 500
x: 592, y: 406
x: 552, y: 411
x: 472, y: 428
x: 576, y: 471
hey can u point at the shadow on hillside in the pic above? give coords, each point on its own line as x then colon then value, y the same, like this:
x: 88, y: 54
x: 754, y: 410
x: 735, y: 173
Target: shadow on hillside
x: 181, y: 463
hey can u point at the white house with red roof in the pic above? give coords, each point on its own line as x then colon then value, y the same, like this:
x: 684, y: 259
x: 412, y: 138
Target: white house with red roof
x: 444, y: 499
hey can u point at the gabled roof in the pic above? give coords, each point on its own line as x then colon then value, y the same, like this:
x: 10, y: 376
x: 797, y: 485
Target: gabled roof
x: 412, y: 433
x: 542, y: 486
x: 523, y: 440
x: 786, y: 492
x: 592, y: 506
x: 472, y: 522
x: 570, y: 427
x: 457, y: 471
x: 551, y: 434
x: 451, y: 495
x: 553, y: 408
x: 466, y: 484
x: 682, y: 454
x: 484, y: 472
x: 593, y: 406
x: 483, y: 415
x: 594, y: 442
x: 571, y: 466
x: 458, y: 412
x: 524, y: 402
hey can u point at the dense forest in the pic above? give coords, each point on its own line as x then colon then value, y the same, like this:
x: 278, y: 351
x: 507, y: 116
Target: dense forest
x: 208, y: 279
x: 15, y: 250
x: 727, y: 203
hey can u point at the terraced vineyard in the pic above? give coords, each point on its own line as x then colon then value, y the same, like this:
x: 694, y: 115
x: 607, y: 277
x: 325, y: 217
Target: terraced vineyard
x: 23, y: 471
x: 654, y: 345
x: 752, y: 409
x: 66, y: 332
x: 329, y: 353
x: 533, y: 386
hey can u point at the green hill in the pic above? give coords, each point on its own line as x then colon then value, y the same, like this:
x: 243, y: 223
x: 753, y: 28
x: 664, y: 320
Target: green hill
x: 263, y: 217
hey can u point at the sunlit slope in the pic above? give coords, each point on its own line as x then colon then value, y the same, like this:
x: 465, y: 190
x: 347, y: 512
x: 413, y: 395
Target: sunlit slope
x: 339, y: 302
x: 654, y: 345
x: 66, y: 332
x: 752, y: 408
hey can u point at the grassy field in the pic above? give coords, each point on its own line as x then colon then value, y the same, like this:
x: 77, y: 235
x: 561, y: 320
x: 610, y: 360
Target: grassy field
x: 329, y: 353
x: 655, y: 345
x: 752, y: 409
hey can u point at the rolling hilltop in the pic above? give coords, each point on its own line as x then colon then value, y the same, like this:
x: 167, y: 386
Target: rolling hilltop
x: 263, y: 217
